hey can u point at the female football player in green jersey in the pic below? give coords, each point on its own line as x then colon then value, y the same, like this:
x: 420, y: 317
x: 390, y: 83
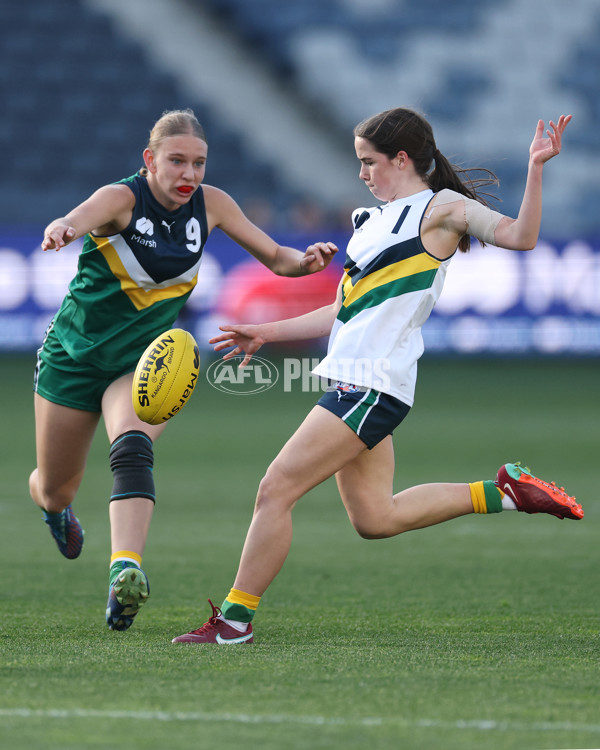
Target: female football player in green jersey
x: 393, y: 275
x: 141, y: 255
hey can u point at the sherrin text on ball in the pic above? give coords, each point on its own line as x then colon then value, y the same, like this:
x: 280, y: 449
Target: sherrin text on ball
x: 165, y: 376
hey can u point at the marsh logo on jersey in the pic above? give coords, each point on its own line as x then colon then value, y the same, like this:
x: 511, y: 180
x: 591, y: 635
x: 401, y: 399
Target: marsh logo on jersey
x: 145, y: 226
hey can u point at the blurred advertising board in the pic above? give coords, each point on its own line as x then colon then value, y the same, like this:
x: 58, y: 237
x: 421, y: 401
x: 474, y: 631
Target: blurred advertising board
x: 495, y: 301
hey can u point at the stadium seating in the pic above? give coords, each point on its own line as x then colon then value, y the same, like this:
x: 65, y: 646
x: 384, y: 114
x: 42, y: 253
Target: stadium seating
x: 273, y: 23
x: 78, y: 102
x: 79, y: 97
x: 329, y: 50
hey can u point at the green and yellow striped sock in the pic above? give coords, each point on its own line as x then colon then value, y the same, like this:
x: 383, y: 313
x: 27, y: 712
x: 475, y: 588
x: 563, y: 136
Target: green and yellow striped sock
x: 123, y: 559
x: 239, y: 606
x: 486, y: 497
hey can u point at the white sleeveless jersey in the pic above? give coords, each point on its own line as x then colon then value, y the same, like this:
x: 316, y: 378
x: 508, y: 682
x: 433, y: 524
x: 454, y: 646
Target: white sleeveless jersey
x: 390, y: 286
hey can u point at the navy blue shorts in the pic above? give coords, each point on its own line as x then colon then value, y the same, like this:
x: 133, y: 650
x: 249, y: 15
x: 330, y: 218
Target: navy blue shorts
x: 372, y: 415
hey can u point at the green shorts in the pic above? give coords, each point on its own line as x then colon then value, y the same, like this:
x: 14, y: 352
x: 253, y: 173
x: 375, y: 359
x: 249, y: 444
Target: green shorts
x: 62, y: 380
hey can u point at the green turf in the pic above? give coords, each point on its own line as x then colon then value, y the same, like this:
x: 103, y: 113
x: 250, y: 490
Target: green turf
x: 482, y: 633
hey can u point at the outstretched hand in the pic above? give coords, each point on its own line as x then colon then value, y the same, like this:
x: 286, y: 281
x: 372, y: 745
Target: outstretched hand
x: 57, y: 235
x: 542, y: 149
x: 245, y: 339
x: 317, y: 257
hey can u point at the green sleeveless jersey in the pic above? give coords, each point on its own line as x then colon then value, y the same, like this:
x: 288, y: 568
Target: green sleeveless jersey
x: 131, y: 286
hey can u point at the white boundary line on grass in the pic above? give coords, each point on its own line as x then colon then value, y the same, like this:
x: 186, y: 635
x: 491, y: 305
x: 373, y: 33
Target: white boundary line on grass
x: 477, y: 724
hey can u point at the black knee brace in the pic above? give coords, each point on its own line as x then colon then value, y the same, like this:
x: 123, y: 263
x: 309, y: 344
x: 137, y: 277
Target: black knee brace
x: 131, y: 462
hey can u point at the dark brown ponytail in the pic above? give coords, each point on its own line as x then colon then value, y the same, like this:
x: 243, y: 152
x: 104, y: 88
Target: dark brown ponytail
x: 405, y: 130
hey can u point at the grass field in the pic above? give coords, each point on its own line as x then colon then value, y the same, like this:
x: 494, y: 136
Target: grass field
x: 480, y: 634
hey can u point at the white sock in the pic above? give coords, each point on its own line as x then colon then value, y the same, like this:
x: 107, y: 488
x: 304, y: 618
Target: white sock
x: 241, y: 626
x: 124, y: 559
x: 507, y: 503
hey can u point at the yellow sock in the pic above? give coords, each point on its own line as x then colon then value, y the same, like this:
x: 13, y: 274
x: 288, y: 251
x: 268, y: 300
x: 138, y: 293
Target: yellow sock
x: 240, y: 606
x: 126, y: 555
x: 486, y: 497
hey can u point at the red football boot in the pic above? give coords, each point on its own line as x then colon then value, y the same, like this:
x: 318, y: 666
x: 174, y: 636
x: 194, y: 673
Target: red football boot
x: 533, y: 495
x: 217, y: 631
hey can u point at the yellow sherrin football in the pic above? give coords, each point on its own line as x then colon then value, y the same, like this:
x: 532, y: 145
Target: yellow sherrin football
x: 165, y: 376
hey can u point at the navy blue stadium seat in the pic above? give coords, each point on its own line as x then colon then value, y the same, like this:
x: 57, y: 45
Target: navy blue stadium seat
x: 89, y: 89
x: 78, y: 106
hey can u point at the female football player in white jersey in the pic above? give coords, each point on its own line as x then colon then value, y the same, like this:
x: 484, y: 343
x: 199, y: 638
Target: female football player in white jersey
x: 393, y: 275
x: 144, y: 238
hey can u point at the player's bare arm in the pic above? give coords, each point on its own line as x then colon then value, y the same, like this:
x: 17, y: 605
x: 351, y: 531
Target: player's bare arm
x: 248, y: 339
x: 105, y: 212
x: 224, y: 212
x: 522, y: 233
x: 452, y: 215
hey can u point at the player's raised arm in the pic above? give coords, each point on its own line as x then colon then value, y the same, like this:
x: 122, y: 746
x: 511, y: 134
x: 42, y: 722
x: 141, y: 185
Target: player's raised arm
x: 522, y: 233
